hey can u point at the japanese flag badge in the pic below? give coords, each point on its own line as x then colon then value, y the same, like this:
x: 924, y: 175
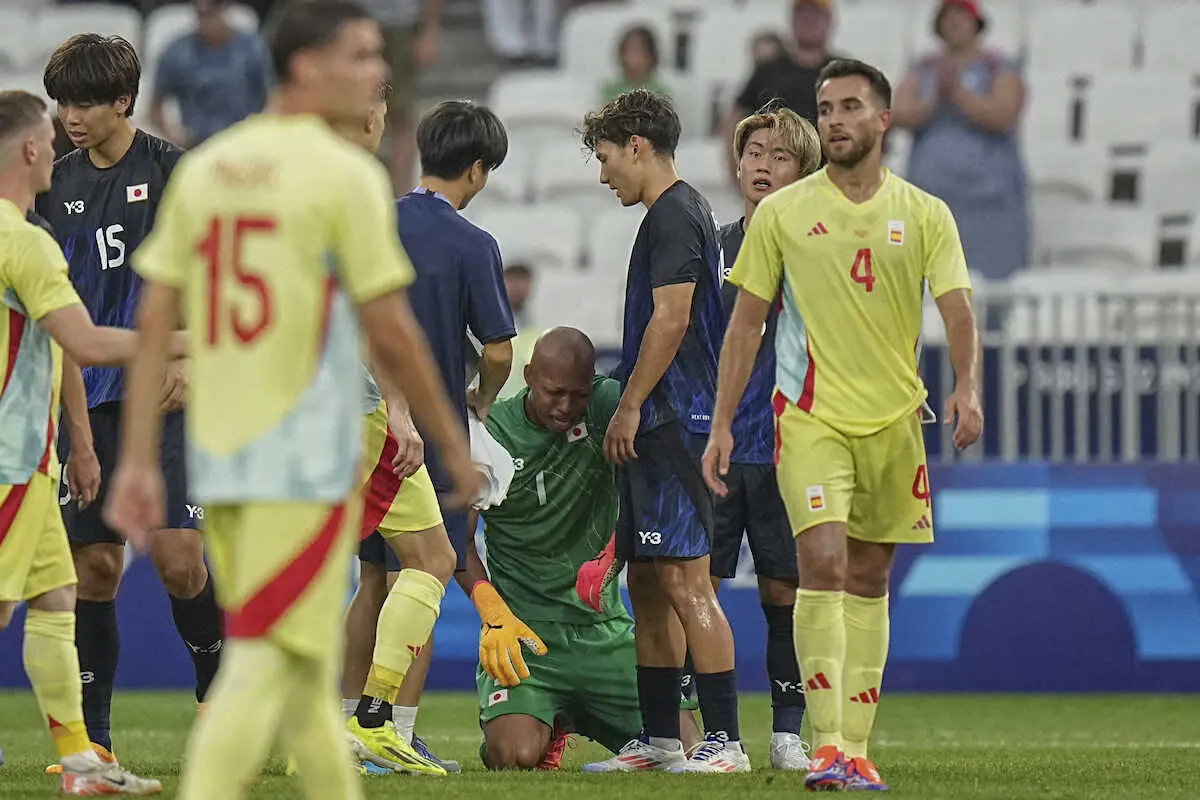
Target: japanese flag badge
x: 137, y: 193
x: 498, y: 696
x: 580, y: 431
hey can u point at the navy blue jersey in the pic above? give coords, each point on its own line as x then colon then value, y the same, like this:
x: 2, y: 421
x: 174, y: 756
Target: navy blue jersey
x: 754, y: 422
x: 459, y: 288
x: 100, y: 216
x: 677, y: 242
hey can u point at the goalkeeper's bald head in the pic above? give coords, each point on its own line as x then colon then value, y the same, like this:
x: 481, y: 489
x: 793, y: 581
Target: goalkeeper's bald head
x: 559, y: 376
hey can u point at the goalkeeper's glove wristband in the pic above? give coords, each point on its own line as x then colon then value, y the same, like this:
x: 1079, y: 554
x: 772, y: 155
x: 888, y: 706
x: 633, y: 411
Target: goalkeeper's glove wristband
x: 501, y: 637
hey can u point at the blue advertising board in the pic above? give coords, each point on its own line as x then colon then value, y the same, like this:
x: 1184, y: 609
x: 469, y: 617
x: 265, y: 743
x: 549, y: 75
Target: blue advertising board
x: 1043, y: 578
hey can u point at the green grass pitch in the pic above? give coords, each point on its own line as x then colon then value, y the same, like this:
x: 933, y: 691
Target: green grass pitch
x: 927, y: 746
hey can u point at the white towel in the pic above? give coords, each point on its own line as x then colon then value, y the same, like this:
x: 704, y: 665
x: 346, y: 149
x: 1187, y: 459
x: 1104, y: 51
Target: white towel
x: 493, y: 462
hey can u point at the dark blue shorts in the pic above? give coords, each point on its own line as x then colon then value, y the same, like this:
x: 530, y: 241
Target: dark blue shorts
x: 85, y: 526
x: 375, y: 549
x: 667, y: 510
x: 754, y: 509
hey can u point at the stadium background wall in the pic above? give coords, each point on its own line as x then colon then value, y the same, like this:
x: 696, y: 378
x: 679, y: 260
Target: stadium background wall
x: 1043, y: 578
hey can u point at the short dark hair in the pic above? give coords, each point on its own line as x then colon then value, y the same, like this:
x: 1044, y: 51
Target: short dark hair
x: 455, y: 134
x: 18, y: 111
x: 519, y: 271
x: 852, y: 67
x: 648, y: 39
x: 638, y: 112
x: 307, y: 25
x: 90, y: 69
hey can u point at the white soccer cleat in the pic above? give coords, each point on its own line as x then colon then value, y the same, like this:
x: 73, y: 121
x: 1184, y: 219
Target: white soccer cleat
x: 640, y: 756
x: 87, y: 775
x: 789, y: 752
x: 715, y: 754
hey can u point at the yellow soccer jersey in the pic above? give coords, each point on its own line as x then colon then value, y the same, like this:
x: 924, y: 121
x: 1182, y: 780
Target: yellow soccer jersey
x: 272, y: 230
x: 33, y: 282
x: 851, y: 278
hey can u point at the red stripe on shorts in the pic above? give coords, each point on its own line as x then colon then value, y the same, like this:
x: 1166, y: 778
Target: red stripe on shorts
x: 261, y: 612
x: 16, y: 329
x: 381, y: 489
x: 810, y: 378
x: 10, y: 507
x: 779, y: 402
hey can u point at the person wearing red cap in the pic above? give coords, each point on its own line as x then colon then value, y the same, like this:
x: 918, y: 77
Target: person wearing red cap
x: 963, y: 106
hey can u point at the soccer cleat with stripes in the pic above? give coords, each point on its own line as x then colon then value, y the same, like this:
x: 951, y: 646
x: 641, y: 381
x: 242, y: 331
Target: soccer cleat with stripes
x: 640, y: 756
x: 560, y: 737
x: 827, y: 772
x: 105, y: 755
x: 451, y: 766
x: 88, y: 775
x: 789, y: 752
x: 861, y: 776
x: 383, y: 747
x: 715, y: 754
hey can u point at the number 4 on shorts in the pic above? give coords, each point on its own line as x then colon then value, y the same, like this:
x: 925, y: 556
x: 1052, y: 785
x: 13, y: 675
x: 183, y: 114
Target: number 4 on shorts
x: 861, y: 271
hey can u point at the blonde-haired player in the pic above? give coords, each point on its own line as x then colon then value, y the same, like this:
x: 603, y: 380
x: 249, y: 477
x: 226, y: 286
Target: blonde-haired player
x: 40, y: 317
x: 851, y: 248
x: 273, y: 236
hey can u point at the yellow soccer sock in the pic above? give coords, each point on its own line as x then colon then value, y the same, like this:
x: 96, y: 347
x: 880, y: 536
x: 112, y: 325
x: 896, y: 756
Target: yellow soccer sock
x: 405, y: 623
x: 867, y: 631
x: 820, y: 638
x: 52, y: 664
x: 231, y: 739
x: 315, y: 735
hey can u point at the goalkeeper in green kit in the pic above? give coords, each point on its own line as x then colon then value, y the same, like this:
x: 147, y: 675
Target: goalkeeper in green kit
x: 560, y: 510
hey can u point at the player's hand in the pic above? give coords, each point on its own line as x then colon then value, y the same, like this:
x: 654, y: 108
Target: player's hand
x: 715, y: 461
x: 136, y: 505
x: 622, y: 430
x: 964, y: 411
x: 410, y: 453
x: 478, y: 404
x: 174, y: 389
x: 595, y: 576
x: 502, y: 636
x: 83, y: 475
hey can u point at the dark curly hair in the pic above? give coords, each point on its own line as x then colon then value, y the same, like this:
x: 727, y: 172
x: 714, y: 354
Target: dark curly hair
x: 638, y: 112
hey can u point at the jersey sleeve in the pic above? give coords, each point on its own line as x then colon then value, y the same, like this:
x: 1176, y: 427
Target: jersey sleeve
x: 371, y: 262
x: 38, y: 274
x: 759, y: 265
x: 163, y: 257
x: 676, y: 250
x: 606, y: 396
x: 490, y: 316
x: 945, y: 262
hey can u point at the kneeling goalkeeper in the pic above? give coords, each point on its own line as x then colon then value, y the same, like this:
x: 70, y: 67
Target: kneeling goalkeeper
x: 560, y: 511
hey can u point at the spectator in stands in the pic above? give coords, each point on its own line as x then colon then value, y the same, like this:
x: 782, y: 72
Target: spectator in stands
x: 963, y: 106
x: 217, y: 75
x: 791, y: 76
x: 637, y: 54
x: 523, y: 32
x: 766, y: 47
x: 518, y: 282
x: 410, y: 36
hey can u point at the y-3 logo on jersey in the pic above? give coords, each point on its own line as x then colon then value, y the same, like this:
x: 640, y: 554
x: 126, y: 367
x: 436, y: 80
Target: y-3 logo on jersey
x: 73, y: 207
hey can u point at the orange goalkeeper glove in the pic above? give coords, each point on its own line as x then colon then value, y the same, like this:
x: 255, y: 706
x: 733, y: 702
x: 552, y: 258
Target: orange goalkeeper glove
x: 595, y: 576
x: 501, y: 637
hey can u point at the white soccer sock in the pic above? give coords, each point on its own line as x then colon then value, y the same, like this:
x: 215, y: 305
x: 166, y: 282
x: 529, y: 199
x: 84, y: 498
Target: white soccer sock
x: 405, y: 718
x: 349, y: 706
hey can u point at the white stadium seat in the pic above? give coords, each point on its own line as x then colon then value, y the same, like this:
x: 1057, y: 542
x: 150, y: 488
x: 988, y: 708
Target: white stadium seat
x: 548, y: 236
x: 1097, y: 236
x: 1049, y: 113
x: 25, y: 80
x: 1005, y: 31
x: 692, y: 104
x: 1169, y: 38
x: 876, y: 34
x: 704, y: 163
x: 581, y: 301
x: 563, y: 172
x: 1139, y: 107
x: 612, y: 235
x: 721, y: 58
x: 1063, y: 303
x: 1170, y: 179
x: 540, y: 105
x: 1081, y: 39
x: 1066, y: 174
x: 16, y: 44
x: 56, y: 24
x: 590, y: 35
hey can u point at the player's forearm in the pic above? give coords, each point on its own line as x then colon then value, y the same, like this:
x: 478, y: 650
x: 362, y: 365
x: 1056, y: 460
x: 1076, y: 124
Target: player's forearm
x: 142, y: 418
x: 986, y: 110
x: 74, y: 404
x: 495, y: 364
x: 660, y: 344
x: 743, y: 337
x: 396, y: 402
x: 963, y: 337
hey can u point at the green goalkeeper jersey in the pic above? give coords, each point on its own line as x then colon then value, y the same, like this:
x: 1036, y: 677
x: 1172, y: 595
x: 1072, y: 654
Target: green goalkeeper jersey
x: 560, y: 511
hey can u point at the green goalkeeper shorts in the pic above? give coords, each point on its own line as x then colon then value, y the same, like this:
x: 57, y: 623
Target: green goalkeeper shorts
x: 589, y: 675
